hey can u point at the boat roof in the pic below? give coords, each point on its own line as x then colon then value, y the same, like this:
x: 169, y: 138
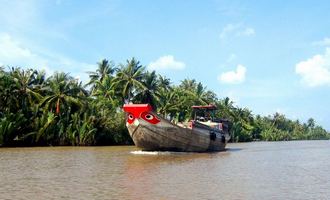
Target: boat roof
x: 137, y: 106
x: 208, y: 107
x: 137, y: 109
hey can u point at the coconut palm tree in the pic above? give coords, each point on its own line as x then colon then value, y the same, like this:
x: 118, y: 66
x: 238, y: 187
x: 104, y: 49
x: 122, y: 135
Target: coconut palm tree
x: 164, y: 82
x: 170, y: 102
x: 149, y: 94
x: 182, y: 101
x: 188, y: 84
x: 105, y: 69
x: 25, y: 81
x: 225, y: 108
x: 202, y: 95
x: 311, y: 123
x: 39, y: 81
x: 198, y: 92
x: 63, y: 92
x: 129, y: 79
x: 105, y: 90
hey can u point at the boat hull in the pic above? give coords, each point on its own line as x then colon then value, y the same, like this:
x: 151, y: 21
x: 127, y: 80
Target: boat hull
x: 166, y: 136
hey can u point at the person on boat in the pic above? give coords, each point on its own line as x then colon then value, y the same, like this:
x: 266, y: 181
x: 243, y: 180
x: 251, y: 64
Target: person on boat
x: 202, y: 119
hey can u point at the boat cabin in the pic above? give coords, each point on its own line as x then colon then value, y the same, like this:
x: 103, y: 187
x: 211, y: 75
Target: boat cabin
x: 204, y: 113
x: 206, y: 116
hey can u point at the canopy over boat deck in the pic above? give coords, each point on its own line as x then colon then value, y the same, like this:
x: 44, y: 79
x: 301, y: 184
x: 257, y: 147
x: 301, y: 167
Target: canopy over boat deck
x: 208, y: 107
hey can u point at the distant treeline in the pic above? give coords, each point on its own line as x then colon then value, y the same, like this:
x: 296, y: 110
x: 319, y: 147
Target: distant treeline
x: 60, y: 110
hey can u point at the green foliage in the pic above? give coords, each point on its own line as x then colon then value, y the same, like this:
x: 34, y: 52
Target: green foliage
x: 128, y: 79
x: 11, y: 125
x: 44, y: 126
x: 59, y: 110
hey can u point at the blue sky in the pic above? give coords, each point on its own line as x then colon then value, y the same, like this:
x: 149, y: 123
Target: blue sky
x: 269, y: 56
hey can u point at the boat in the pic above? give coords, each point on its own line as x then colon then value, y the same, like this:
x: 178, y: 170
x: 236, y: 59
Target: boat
x: 152, y: 132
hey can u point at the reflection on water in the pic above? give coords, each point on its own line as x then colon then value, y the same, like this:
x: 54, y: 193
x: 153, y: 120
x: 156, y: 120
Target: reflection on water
x: 262, y: 170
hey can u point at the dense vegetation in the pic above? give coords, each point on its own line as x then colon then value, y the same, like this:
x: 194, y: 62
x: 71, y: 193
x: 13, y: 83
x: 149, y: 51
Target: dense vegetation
x: 60, y: 110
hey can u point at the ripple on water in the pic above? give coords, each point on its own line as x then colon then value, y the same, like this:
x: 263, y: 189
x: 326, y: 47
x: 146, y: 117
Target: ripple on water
x: 140, y: 152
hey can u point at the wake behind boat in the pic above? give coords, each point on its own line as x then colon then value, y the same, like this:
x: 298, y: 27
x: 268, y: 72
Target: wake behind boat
x: 151, y: 132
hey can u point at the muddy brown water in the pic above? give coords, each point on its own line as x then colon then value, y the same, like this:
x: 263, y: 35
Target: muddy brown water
x: 257, y: 170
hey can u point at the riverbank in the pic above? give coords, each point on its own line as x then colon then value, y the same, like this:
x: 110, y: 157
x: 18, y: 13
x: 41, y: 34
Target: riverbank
x: 132, y: 144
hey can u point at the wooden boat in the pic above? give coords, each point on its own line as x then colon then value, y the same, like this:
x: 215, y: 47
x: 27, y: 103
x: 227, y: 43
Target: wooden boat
x: 151, y: 132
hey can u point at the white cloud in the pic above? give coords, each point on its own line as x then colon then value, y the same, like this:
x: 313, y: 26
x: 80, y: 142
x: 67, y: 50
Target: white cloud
x: 315, y: 71
x: 233, y: 77
x: 166, y: 62
x: 15, y: 53
x: 324, y: 42
x: 237, y: 30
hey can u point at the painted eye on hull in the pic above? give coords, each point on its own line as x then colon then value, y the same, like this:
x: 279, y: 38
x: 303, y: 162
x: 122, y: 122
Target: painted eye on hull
x: 150, y: 118
x: 130, y: 118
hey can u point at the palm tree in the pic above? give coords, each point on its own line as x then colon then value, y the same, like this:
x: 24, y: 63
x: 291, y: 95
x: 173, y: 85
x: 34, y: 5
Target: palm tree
x: 129, y: 79
x: 203, y: 96
x: 63, y: 91
x: 164, y: 82
x: 25, y: 81
x: 105, y: 69
x: 149, y: 93
x: 177, y: 102
x: 225, y: 108
x: 311, y: 123
x: 39, y: 80
x: 198, y: 92
x: 105, y: 90
x: 188, y: 84
x: 169, y: 102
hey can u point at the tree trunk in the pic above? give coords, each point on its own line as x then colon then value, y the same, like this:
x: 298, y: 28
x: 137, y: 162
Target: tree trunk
x: 58, y: 106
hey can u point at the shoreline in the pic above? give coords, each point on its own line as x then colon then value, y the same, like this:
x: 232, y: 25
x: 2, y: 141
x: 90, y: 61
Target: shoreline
x: 132, y: 145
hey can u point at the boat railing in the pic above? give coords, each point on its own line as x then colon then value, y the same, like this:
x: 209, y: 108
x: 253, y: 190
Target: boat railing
x: 198, y: 124
x: 185, y: 124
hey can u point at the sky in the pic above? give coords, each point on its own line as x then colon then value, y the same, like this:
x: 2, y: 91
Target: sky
x: 268, y: 56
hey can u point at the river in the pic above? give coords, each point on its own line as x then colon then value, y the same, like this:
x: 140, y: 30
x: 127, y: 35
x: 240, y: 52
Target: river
x: 257, y: 170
